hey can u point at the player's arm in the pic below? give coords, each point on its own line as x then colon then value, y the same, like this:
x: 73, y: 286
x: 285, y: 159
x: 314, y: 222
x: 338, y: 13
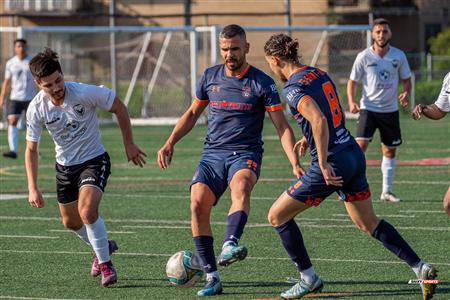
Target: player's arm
x: 430, y: 111
x: 287, y: 140
x: 31, y: 164
x: 183, y: 127
x: 404, y: 96
x: 319, y: 125
x: 6, y: 86
x: 352, y: 85
x: 133, y: 152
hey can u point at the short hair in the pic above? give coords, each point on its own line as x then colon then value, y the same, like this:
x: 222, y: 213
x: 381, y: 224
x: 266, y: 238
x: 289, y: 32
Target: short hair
x: 283, y: 46
x: 20, y: 41
x: 44, y: 63
x: 380, y: 21
x: 231, y: 31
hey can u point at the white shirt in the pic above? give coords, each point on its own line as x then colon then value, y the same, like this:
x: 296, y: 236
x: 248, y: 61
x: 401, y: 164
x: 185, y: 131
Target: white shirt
x: 380, y: 78
x: 23, y: 87
x: 73, y: 125
x: 443, y: 101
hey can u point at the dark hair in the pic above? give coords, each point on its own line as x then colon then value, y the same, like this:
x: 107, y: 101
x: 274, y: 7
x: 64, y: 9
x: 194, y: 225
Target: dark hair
x: 232, y: 30
x: 20, y: 41
x: 380, y: 21
x: 282, y: 46
x: 44, y: 63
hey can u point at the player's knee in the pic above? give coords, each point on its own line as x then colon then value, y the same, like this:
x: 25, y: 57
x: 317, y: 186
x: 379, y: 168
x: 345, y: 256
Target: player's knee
x: 88, y: 216
x: 198, y: 208
x: 71, y: 224
x: 273, y: 219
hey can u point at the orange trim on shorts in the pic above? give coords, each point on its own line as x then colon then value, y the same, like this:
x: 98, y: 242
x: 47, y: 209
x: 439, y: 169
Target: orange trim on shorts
x: 359, y: 196
x: 201, y: 102
x: 275, y: 107
x: 303, y: 100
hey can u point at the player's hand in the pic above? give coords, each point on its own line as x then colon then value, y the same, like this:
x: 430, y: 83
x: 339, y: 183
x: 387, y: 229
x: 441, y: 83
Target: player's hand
x: 298, y: 171
x: 353, y: 107
x: 330, y: 176
x: 301, y: 146
x: 35, y: 199
x: 165, y: 156
x: 135, y: 154
x: 418, y: 111
x: 404, y: 99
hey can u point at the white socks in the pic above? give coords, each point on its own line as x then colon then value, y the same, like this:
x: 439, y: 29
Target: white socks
x: 82, y: 234
x: 13, y: 138
x: 308, y: 275
x: 388, y: 169
x: 417, y: 267
x: 98, y: 237
x: 212, y: 274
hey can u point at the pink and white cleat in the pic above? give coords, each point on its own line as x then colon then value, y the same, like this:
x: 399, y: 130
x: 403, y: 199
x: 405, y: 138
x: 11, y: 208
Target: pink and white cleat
x: 95, y: 269
x: 109, y: 274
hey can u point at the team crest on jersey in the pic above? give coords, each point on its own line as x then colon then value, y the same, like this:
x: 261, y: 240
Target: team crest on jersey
x: 246, y: 91
x: 384, y: 75
x: 79, y: 109
x: 394, y: 63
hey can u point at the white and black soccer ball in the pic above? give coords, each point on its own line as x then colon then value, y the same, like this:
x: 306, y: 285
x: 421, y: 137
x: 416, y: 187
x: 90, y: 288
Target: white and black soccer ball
x: 184, y: 269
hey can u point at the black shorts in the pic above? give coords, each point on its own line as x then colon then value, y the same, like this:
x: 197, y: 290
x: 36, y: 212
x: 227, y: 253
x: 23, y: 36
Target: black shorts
x: 17, y: 107
x: 387, y: 123
x: 69, y: 179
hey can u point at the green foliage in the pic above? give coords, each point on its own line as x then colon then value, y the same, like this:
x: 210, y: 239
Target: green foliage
x: 427, y: 91
x: 440, y: 45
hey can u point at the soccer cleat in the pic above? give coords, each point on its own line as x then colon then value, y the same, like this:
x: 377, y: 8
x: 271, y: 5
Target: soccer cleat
x: 109, y: 274
x: 10, y: 154
x: 231, y: 253
x: 427, y: 272
x: 301, y: 288
x: 95, y: 269
x: 389, y: 197
x: 212, y: 287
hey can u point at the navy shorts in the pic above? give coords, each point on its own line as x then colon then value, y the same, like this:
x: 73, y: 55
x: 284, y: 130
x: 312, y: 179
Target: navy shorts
x: 217, y: 167
x: 69, y: 179
x: 349, y: 163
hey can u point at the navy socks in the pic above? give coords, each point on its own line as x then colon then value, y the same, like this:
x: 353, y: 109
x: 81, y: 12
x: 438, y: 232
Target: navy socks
x: 235, y: 226
x: 205, y: 249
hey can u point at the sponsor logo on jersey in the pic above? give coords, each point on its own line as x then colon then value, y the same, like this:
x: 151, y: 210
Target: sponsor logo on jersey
x: 53, y: 121
x: 273, y: 88
x: 372, y: 65
x: 79, y: 109
x: 292, y: 94
x: 231, y: 105
x: 246, y: 91
x: 384, y: 75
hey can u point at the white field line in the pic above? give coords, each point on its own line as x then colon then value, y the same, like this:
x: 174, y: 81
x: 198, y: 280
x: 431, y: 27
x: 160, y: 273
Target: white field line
x: 28, y: 236
x: 389, y: 216
x: 250, y: 257
x: 33, y: 298
x: 423, y: 211
x: 109, y: 231
x: 5, y: 197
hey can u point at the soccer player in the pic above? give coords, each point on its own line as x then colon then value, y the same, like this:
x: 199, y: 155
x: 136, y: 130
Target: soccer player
x: 437, y: 111
x: 68, y: 111
x: 238, y: 96
x: 337, y: 165
x: 18, y: 78
x: 380, y: 67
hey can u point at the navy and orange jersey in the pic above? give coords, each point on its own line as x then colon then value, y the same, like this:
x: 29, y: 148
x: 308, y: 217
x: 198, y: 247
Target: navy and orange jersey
x: 237, y: 107
x: 307, y: 84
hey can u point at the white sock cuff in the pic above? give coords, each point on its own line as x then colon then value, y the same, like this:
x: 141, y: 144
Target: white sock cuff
x: 82, y: 234
x: 98, y: 237
x: 13, y: 137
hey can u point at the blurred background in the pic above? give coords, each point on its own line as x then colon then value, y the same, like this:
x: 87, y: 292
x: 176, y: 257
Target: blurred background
x: 152, y: 51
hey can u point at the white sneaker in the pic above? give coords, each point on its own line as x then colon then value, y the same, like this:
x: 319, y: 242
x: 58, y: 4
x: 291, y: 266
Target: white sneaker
x: 389, y: 197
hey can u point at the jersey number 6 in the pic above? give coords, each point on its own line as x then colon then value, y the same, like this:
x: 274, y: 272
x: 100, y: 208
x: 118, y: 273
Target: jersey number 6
x: 333, y: 101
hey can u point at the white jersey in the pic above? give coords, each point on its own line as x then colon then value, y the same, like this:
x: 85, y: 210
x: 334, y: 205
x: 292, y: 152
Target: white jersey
x: 23, y: 87
x: 380, y: 78
x: 443, y: 101
x: 73, y: 125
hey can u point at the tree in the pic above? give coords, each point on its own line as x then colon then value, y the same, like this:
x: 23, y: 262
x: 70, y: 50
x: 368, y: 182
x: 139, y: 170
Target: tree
x: 440, y: 45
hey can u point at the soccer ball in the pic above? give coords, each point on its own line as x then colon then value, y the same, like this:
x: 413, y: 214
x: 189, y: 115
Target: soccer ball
x: 184, y: 269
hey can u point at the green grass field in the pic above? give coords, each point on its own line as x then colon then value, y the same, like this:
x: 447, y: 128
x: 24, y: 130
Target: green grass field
x: 147, y: 212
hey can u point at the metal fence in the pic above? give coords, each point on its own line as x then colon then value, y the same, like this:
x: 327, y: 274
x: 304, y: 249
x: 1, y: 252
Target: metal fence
x: 157, y: 67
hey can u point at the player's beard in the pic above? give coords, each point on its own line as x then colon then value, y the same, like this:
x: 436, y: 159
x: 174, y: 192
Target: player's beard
x: 236, y: 66
x: 383, y: 45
